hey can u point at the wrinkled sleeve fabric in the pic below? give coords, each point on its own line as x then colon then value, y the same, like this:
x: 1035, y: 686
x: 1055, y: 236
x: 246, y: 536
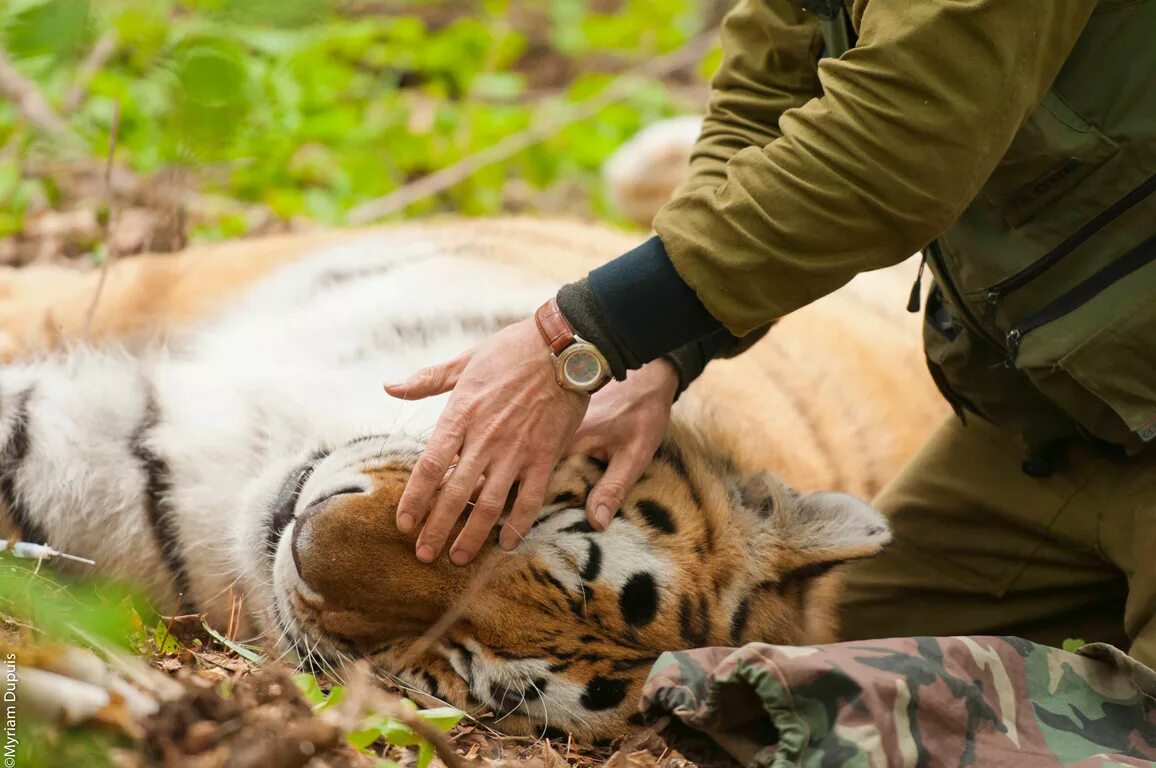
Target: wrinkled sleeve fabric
x: 910, y: 124
x: 770, y: 51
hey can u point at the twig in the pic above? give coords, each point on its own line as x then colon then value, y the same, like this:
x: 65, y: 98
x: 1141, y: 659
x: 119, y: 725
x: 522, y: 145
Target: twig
x: 511, y: 145
x: 109, y: 244
x: 491, y: 566
x: 101, y: 52
x: 31, y: 104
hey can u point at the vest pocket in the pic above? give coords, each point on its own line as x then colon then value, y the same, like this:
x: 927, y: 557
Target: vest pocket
x: 1099, y: 338
x: 1053, y: 151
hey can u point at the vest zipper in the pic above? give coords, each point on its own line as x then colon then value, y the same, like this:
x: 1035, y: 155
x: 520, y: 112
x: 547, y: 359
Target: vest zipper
x: 1069, y: 302
x: 933, y: 255
x: 1061, y: 251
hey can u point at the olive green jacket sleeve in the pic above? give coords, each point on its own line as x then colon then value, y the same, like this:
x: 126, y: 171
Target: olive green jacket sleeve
x: 911, y: 123
x: 770, y: 52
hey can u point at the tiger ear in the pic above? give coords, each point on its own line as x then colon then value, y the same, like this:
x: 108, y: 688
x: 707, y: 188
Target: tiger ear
x: 831, y: 526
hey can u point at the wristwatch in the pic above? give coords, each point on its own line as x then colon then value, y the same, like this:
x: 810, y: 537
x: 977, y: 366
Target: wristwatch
x: 578, y: 365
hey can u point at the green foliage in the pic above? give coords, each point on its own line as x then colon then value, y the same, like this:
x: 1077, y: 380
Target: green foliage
x: 1071, y: 645
x: 309, y: 111
x: 52, y: 610
x: 91, y: 613
x: 375, y: 727
x: 247, y: 652
x: 163, y: 641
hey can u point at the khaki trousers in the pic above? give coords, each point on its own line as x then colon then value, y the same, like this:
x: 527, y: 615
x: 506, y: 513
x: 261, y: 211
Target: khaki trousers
x: 981, y: 548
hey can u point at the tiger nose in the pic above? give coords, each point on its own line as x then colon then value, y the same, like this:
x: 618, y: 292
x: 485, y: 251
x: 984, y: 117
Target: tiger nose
x: 305, y: 533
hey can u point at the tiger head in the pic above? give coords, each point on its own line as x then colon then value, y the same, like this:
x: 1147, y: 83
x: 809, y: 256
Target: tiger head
x: 558, y: 635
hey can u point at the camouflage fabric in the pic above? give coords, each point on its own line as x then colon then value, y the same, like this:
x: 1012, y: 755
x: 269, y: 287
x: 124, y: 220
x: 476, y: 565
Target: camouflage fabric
x: 918, y: 702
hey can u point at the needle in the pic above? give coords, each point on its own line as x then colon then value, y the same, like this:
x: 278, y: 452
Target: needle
x: 29, y: 551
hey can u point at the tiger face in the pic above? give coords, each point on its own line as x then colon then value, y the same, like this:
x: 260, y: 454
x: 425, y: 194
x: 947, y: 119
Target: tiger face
x: 558, y: 635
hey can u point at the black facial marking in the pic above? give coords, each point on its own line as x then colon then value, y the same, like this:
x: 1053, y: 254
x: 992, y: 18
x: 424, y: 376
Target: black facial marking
x: 11, y: 457
x: 656, y: 516
x: 739, y: 620
x: 593, y: 564
x: 694, y: 621
x: 537, y: 689
x: 566, y: 498
x: 639, y: 600
x: 808, y: 572
x: 671, y: 454
x: 597, y: 462
x: 582, y: 526
x: 684, y: 619
x: 158, y: 507
x: 504, y: 698
x: 709, y: 533
x: 467, y: 656
x: 628, y: 664
x: 431, y: 685
x: 603, y: 693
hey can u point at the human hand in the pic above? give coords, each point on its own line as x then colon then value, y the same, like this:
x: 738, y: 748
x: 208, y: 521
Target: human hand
x: 624, y: 425
x: 507, y: 421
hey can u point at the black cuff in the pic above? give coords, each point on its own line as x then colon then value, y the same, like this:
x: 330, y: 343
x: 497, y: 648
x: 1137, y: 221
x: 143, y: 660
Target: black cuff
x: 690, y: 360
x: 647, y: 306
x: 581, y: 309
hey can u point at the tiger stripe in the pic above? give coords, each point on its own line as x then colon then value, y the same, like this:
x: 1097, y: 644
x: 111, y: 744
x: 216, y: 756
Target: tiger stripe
x: 158, y: 507
x: 12, y: 457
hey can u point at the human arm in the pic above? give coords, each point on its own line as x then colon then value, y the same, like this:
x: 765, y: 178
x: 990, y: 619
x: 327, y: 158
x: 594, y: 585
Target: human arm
x: 911, y: 123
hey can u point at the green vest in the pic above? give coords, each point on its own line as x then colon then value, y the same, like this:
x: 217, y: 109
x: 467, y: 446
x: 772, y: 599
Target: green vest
x: 1043, y: 316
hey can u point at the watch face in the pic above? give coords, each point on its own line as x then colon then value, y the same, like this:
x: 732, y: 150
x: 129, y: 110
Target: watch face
x: 582, y: 368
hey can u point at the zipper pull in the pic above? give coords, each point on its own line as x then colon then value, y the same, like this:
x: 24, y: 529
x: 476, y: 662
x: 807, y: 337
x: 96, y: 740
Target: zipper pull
x: 1013, y: 347
x: 992, y: 299
x: 916, y: 297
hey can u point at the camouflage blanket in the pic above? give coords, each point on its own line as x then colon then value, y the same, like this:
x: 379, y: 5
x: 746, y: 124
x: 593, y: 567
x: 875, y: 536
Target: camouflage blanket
x: 913, y: 702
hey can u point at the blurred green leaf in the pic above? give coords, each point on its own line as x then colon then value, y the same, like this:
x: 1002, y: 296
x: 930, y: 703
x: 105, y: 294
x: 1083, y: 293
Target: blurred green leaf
x: 498, y: 86
x: 56, y: 28
x: 165, y: 643
x: 311, y: 110
x: 64, y: 610
x: 310, y: 688
x: 244, y: 651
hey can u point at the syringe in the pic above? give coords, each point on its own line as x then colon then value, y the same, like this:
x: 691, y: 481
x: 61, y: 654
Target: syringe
x: 30, y: 551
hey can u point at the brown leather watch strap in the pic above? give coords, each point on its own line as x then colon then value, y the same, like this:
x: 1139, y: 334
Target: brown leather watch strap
x: 553, y: 326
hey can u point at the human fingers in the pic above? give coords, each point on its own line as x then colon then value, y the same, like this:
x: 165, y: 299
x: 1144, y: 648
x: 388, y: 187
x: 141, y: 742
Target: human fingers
x: 491, y: 500
x: 609, y: 493
x: 449, y: 506
x: 429, y: 472
x: 527, y: 506
x: 430, y: 381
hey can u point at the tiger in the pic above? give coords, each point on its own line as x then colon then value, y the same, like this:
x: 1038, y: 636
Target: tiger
x: 213, y: 430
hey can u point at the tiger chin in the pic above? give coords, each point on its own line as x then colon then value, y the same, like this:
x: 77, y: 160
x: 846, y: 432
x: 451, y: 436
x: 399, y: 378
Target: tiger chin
x: 255, y: 455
